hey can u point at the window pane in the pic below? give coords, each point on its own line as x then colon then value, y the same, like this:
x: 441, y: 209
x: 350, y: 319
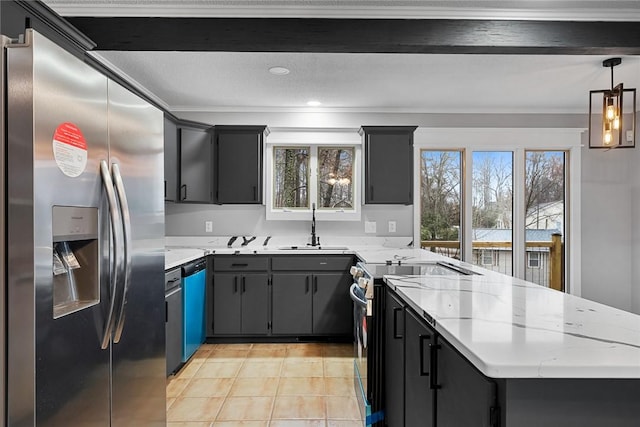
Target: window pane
x: 335, y: 177
x: 544, y: 217
x: 492, y: 210
x: 440, y: 198
x: 291, y: 177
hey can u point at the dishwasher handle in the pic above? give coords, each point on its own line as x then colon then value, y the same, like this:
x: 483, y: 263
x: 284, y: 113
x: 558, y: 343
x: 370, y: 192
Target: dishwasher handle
x: 194, y: 267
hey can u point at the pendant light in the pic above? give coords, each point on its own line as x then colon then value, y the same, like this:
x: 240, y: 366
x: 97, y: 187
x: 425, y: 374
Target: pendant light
x: 612, y: 122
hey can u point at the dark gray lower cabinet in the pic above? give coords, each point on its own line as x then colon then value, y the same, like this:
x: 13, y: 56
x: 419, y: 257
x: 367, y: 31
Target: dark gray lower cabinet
x: 419, y: 394
x: 240, y: 304
x: 465, y: 397
x: 394, y: 361
x: 332, y: 307
x: 316, y: 304
x: 291, y: 304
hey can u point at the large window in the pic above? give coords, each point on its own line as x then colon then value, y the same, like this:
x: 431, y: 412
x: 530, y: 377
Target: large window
x: 302, y: 176
x: 492, y: 209
x: 440, y: 201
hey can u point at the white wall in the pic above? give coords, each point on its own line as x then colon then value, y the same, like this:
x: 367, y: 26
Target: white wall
x: 634, y: 159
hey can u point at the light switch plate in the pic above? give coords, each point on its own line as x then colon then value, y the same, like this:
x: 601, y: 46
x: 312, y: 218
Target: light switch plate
x: 369, y: 226
x: 392, y: 226
x: 208, y: 226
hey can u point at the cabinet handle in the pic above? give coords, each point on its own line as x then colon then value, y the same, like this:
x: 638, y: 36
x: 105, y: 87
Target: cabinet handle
x: 306, y: 285
x: 165, y: 188
x: 244, y: 288
x: 255, y: 193
x: 183, y: 187
x: 166, y: 312
x: 239, y: 265
x: 315, y: 284
x: 433, y: 378
x: 422, y: 339
x: 235, y: 284
x: 395, y: 322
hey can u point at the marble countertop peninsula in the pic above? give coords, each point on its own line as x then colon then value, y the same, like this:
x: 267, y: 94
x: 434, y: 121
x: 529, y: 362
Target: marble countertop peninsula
x: 510, y: 328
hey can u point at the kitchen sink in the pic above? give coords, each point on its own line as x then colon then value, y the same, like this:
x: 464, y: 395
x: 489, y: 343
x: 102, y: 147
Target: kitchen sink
x: 312, y: 248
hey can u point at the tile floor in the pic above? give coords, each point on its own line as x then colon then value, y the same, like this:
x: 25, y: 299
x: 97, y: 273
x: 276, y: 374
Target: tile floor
x: 274, y: 385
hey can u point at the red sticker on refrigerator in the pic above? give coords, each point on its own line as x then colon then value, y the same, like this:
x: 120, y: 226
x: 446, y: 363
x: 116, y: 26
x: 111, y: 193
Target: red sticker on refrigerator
x: 70, y: 149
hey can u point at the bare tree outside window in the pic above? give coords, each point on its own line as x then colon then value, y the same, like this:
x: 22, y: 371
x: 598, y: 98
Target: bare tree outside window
x: 335, y: 177
x: 291, y: 177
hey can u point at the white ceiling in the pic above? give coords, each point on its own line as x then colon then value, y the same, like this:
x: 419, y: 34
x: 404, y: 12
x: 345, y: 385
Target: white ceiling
x: 231, y: 81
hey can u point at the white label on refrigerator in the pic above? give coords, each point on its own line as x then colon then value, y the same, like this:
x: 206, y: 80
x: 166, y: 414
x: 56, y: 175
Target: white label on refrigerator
x: 70, y: 149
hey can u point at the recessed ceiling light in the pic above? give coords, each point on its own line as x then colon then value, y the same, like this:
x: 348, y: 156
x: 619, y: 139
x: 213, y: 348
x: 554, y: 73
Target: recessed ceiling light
x: 314, y: 103
x: 279, y: 71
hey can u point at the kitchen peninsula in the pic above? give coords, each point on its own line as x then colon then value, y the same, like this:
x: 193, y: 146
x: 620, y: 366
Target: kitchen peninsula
x: 512, y: 353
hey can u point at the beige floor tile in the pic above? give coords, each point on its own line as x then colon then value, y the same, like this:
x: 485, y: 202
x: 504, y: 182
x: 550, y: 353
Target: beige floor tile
x: 208, y: 387
x: 255, y: 369
x: 194, y: 409
x: 338, y: 350
x: 240, y: 423
x: 239, y: 346
x: 175, y: 386
x: 201, y: 354
x: 266, y: 386
x: 338, y: 368
x: 304, y: 350
x: 344, y: 423
x: 223, y: 355
x: 269, y: 346
x: 298, y: 423
x: 267, y: 353
x: 246, y: 408
x: 299, y: 407
x: 219, y: 370
x: 170, y: 401
x: 342, y: 408
x: 190, y: 369
x: 336, y: 386
x: 302, y: 386
x: 189, y: 424
x: 302, y: 368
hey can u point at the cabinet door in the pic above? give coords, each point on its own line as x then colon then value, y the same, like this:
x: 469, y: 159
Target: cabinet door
x: 291, y: 304
x: 196, y: 159
x: 255, y: 301
x: 465, y: 396
x: 332, y: 306
x: 389, y: 165
x: 170, y: 160
x: 419, y: 397
x: 173, y: 329
x: 226, y: 304
x: 239, y: 164
x: 394, y: 361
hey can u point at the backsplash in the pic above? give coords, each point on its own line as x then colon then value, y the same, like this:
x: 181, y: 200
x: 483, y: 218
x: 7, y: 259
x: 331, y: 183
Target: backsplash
x: 189, y: 220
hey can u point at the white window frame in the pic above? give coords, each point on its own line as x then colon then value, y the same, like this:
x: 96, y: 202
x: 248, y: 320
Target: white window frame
x: 313, y: 138
x: 538, y: 260
x: 517, y: 140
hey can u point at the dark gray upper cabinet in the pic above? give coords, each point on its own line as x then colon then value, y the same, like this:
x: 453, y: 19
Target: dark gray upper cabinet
x: 170, y: 160
x: 196, y: 160
x: 388, y: 165
x: 238, y: 171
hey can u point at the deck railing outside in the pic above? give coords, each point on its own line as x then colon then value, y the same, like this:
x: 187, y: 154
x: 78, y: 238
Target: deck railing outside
x: 555, y: 247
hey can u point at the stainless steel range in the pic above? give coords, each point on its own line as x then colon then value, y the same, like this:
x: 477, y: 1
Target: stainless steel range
x: 367, y: 293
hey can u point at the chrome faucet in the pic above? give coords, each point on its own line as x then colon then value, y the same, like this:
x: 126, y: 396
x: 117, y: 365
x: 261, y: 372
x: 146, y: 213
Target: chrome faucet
x: 315, y: 241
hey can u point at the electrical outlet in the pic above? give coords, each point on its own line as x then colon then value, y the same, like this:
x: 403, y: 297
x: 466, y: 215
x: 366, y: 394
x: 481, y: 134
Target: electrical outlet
x: 629, y: 136
x: 369, y: 226
x: 392, y: 226
x: 208, y: 226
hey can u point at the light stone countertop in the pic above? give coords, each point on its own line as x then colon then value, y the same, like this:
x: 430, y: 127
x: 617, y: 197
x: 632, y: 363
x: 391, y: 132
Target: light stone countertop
x: 510, y: 328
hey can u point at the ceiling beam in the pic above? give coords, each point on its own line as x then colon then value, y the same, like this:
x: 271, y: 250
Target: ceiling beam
x: 438, y: 36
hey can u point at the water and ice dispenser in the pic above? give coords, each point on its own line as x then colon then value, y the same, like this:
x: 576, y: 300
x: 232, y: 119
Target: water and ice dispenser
x: 75, y: 259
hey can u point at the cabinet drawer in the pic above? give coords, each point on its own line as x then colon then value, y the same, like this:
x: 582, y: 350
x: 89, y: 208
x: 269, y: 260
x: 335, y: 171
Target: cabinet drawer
x: 240, y: 263
x: 312, y: 263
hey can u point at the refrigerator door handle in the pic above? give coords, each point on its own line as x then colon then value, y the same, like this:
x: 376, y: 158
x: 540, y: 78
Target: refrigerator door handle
x: 116, y: 229
x: 126, y: 226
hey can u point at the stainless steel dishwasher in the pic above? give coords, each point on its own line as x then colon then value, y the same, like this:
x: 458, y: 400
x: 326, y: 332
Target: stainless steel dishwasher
x: 173, y: 318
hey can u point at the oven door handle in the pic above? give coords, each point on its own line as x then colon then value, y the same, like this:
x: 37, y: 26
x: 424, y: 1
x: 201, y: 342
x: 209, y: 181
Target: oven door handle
x: 356, y: 299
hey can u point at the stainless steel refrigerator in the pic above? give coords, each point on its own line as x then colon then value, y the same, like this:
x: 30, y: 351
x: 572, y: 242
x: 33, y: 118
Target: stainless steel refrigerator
x: 82, y: 258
